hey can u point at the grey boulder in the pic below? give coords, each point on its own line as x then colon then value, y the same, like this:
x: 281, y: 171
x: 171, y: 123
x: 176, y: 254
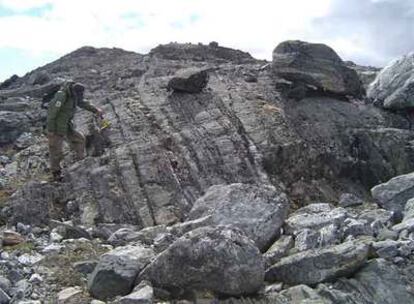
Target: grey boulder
x: 116, y: 271
x: 259, y: 211
x: 379, y: 282
x: 349, y: 200
x: 191, y: 80
x: 394, y: 194
x: 316, y: 266
x: 315, y: 65
x: 142, y: 294
x: 4, y: 297
x: 278, y: 250
x: 219, y: 259
x: 394, y: 85
x: 315, y: 216
x: 12, y: 125
x: 409, y: 210
x: 24, y: 140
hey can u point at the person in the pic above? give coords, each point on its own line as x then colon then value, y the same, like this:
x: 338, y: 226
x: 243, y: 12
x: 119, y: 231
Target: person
x: 60, y: 127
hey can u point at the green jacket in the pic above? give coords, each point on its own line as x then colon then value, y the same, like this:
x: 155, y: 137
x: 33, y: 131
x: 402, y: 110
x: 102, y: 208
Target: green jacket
x: 61, y: 110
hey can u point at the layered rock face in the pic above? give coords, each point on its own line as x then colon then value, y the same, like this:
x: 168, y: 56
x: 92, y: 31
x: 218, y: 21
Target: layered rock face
x: 394, y: 86
x: 167, y: 149
x: 219, y: 175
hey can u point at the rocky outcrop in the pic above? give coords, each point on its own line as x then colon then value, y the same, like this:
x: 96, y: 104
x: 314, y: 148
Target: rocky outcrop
x: 199, y: 52
x: 315, y: 65
x: 116, y: 271
x: 394, y: 194
x: 394, y: 85
x: 259, y: 211
x: 378, y: 282
x: 166, y: 150
x: 12, y: 125
x: 177, y: 166
x: 217, y: 259
x: 316, y: 266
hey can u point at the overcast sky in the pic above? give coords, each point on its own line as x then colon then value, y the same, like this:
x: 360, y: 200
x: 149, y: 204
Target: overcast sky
x: 35, y: 32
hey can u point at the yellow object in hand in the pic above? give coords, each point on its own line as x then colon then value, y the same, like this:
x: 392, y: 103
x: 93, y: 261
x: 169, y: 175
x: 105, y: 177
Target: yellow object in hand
x: 105, y: 124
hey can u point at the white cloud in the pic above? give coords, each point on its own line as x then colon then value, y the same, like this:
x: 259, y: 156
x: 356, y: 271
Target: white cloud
x: 255, y: 26
x: 352, y: 27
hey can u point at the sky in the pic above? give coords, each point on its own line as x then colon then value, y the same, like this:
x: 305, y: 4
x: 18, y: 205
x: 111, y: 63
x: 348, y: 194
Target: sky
x: 35, y: 32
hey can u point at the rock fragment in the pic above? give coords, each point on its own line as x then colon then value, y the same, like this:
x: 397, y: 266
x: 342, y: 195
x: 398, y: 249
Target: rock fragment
x: 116, y: 271
x: 191, y: 80
x: 219, y: 259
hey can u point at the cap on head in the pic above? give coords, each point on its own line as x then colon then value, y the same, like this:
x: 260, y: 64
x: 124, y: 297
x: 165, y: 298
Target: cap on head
x: 78, y: 88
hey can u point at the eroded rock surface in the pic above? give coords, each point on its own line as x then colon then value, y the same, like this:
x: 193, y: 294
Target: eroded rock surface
x: 315, y: 65
x: 257, y: 210
x: 218, y: 259
x: 175, y: 166
x: 394, y: 85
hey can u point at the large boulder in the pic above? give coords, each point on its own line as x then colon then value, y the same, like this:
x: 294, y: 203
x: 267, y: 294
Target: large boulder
x: 191, y: 80
x: 379, y: 282
x: 116, y: 271
x: 12, y: 125
x: 257, y: 210
x: 316, y: 266
x: 394, y: 194
x: 218, y: 259
x: 315, y: 65
x: 315, y: 216
x: 394, y: 85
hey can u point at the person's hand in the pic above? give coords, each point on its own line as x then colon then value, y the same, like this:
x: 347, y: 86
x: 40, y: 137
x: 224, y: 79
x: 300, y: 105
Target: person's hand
x: 100, y: 112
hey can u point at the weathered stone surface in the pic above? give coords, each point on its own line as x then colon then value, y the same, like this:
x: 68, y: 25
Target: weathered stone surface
x: 394, y: 194
x: 8, y: 82
x: 168, y: 149
x: 378, y: 282
x: 68, y: 231
x: 69, y: 295
x: 278, y: 250
x: 12, y: 125
x: 409, y: 210
x: 5, y: 284
x: 382, y: 216
x: 30, y: 204
x: 142, y: 294
x: 298, y: 294
x: 259, y: 211
x: 116, y: 271
x: 85, y: 267
x: 199, y: 52
x: 405, y: 225
x: 394, y: 85
x: 145, y: 236
x: 219, y: 259
x: 315, y: 65
x: 24, y: 140
x: 316, y: 266
x: 190, y: 80
x: 39, y: 78
x: 12, y: 238
x: 386, y: 249
x: 355, y: 228
x: 314, y: 216
x: 349, y: 200
x: 4, y: 297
